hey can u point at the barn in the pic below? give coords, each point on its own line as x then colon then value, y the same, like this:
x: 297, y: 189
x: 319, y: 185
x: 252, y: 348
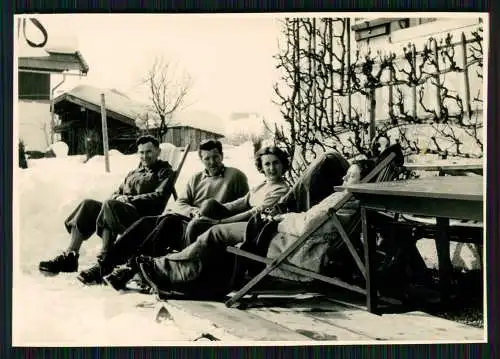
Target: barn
x: 193, y: 127
x: 80, y: 126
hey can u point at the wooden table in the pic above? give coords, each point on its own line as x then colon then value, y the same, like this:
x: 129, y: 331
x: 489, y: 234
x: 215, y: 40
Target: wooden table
x: 447, y: 166
x: 458, y: 197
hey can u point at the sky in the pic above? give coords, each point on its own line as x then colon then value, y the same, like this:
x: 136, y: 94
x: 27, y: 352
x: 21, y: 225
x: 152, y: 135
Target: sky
x: 229, y: 57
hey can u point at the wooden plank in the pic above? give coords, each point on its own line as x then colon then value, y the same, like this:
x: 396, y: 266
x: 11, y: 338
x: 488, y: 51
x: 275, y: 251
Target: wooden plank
x: 468, y: 188
x: 425, y: 320
x: 321, y: 319
x: 448, y: 208
x: 309, y: 325
x: 402, y: 326
x: 241, y: 324
x: 438, y: 166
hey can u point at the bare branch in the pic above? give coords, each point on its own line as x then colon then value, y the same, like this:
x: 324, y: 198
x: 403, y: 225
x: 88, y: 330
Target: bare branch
x: 168, y: 88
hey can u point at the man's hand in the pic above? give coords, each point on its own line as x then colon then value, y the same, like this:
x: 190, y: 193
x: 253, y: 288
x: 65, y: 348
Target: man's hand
x: 196, y: 213
x: 122, y: 198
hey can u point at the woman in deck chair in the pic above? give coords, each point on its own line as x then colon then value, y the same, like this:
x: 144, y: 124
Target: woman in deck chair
x: 204, y: 269
x: 324, y: 251
x: 273, y: 163
x: 325, y: 247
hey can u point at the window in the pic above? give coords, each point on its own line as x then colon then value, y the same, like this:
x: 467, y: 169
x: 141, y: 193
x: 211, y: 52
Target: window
x: 33, y: 86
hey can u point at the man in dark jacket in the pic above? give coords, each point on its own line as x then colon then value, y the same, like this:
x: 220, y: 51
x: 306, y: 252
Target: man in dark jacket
x: 143, y: 193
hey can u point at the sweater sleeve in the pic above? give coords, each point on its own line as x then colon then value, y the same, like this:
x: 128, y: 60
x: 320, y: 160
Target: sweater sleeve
x: 239, y: 205
x: 272, y: 197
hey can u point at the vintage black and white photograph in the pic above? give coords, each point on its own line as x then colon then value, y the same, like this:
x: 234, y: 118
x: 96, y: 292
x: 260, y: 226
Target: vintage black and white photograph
x: 205, y: 179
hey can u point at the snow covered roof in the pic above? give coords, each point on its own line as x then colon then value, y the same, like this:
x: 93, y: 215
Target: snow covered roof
x: 118, y: 105
x: 54, y: 60
x: 202, y: 120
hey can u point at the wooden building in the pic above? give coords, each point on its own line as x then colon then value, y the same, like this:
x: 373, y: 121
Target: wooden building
x: 193, y: 127
x: 79, y: 111
x: 37, y: 68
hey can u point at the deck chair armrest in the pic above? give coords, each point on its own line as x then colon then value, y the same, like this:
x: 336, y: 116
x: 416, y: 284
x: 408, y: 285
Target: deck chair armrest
x: 175, y: 175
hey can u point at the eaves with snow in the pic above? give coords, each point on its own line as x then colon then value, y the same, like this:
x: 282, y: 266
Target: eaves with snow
x: 118, y: 105
x: 53, y: 60
x: 198, y: 119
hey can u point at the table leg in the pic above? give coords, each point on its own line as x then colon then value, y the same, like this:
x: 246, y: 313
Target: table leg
x: 444, y: 262
x: 369, y: 242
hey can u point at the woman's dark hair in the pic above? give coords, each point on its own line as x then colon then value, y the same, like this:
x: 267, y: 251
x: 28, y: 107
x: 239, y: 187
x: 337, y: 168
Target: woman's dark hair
x: 147, y: 138
x: 272, y: 150
x: 376, y: 151
x: 365, y: 166
x: 209, y: 145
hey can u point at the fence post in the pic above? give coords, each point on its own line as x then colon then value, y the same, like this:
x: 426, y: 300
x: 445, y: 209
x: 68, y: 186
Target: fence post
x: 466, y: 78
x: 104, y: 133
x: 414, y: 86
x: 372, y: 103
x: 296, y: 49
x: 313, y: 68
x: 437, y: 79
x: 391, y: 100
x: 330, y: 53
x: 348, y: 70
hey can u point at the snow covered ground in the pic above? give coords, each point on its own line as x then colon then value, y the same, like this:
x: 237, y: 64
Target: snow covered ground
x: 51, y: 311
x: 60, y: 310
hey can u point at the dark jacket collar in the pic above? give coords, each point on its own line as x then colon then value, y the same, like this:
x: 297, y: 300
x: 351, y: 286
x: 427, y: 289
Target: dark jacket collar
x: 155, y: 166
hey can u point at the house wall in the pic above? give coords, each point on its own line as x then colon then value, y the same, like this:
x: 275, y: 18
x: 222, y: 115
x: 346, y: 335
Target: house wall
x: 418, y: 33
x: 181, y: 136
x: 34, y: 110
x: 34, y: 124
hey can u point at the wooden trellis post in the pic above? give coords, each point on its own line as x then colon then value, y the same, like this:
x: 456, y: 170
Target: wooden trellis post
x: 372, y: 103
x: 466, y: 78
x: 348, y: 53
x: 414, y: 85
x: 104, y: 124
x: 437, y: 79
x: 394, y: 121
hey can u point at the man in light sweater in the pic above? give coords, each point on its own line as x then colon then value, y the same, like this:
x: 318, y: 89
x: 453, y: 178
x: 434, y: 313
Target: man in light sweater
x: 154, y: 235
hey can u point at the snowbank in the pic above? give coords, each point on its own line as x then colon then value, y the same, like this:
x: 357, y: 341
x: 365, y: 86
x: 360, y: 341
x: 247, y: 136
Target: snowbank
x: 60, y: 149
x: 65, y: 312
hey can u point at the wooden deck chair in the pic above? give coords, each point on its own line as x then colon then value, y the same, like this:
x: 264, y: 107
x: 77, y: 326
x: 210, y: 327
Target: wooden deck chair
x: 172, y: 155
x: 385, y: 170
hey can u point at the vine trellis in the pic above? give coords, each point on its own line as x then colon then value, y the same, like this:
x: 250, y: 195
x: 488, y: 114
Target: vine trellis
x: 334, y: 98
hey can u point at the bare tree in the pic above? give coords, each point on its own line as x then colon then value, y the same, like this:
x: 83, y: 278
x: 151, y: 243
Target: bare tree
x: 168, y: 88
